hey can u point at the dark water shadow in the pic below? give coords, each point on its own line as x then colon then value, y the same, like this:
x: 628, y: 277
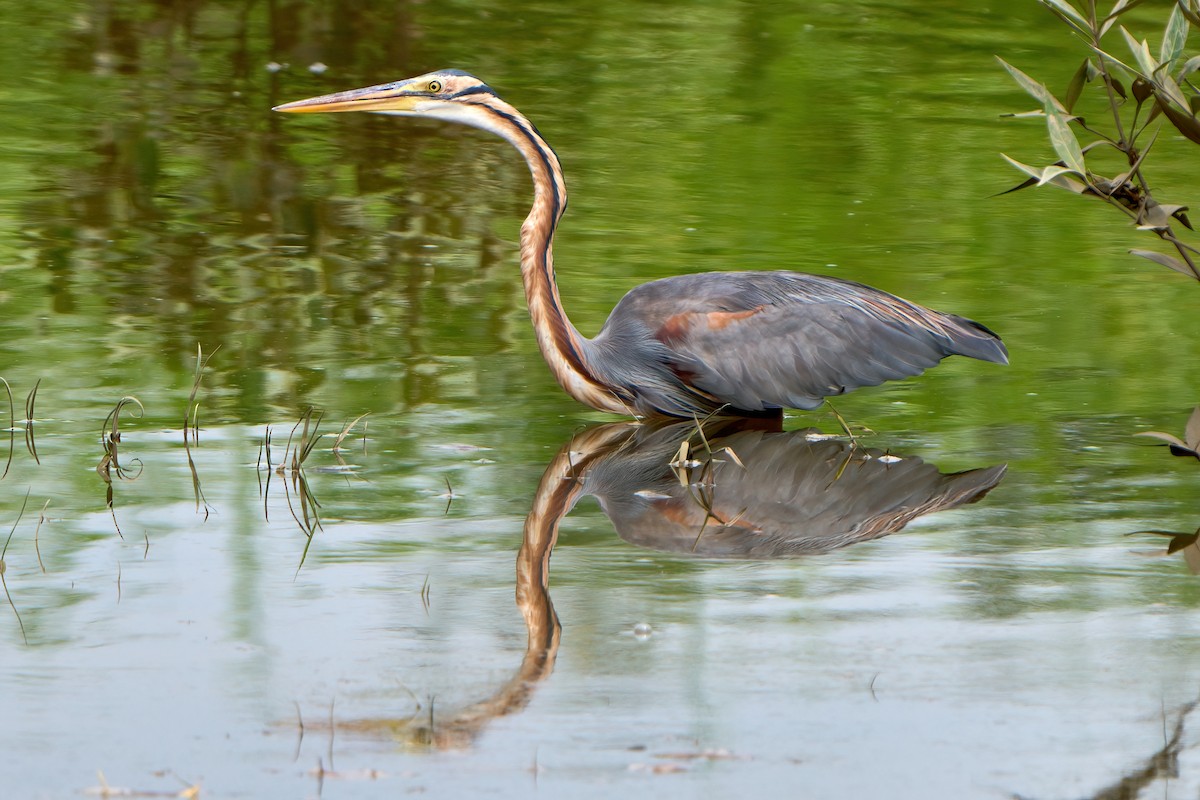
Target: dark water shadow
x: 735, y: 489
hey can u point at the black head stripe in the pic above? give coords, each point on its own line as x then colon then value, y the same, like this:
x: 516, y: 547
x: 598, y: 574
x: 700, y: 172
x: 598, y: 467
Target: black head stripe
x: 477, y: 89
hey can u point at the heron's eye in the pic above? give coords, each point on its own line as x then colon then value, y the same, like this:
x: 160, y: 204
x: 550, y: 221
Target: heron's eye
x: 435, y: 86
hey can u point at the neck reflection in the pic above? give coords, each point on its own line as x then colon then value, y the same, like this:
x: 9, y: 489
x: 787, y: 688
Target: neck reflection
x: 733, y: 489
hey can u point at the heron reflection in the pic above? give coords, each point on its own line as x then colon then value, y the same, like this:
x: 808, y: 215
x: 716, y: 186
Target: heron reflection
x: 745, y: 490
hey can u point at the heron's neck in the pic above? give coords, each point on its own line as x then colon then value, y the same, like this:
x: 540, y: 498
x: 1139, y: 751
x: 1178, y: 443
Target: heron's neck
x: 564, y: 349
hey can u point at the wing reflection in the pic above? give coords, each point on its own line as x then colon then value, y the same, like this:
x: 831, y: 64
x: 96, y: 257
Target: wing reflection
x: 736, y: 489
x: 744, y: 492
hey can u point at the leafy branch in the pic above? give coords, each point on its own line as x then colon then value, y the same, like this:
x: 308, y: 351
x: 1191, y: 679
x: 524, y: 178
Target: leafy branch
x: 1160, y: 88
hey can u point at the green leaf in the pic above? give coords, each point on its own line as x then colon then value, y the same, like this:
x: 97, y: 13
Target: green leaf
x: 1070, y: 184
x: 1116, y: 85
x: 1120, y: 8
x: 1191, y: 434
x: 1054, y: 171
x: 1025, y: 184
x: 1075, y: 87
x: 1123, y: 6
x: 1183, y: 121
x: 1189, y: 66
x: 1167, y: 87
x: 1064, y: 141
x: 1174, y: 37
x: 1171, y: 263
x: 1141, y: 54
x: 1166, y: 437
x: 1189, y: 13
x: 1055, y: 174
x: 1113, y: 60
x: 1032, y: 172
x: 1068, y: 13
x: 1154, y: 216
x: 1037, y: 90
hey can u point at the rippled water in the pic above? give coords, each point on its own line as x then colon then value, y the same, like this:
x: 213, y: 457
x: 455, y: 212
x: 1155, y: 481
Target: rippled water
x: 961, y: 606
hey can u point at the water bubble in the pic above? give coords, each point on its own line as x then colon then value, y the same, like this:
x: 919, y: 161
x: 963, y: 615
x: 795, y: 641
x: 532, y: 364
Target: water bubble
x: 642, y: 630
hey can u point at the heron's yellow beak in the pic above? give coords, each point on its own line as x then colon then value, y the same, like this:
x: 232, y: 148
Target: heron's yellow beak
x: 385, y: 97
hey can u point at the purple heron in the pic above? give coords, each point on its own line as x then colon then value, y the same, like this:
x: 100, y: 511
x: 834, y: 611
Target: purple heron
x: 741, y: 343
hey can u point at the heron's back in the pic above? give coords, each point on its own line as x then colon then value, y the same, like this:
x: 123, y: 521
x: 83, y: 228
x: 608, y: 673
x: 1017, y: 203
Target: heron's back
x: 754, y: 341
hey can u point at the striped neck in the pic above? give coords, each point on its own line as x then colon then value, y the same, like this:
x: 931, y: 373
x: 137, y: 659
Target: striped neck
x: 562, y: 346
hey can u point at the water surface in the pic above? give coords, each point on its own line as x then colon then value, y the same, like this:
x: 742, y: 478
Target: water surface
x: 215, y: 634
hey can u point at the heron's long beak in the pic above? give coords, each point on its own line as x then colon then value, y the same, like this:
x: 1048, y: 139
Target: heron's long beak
x: 385, y: 97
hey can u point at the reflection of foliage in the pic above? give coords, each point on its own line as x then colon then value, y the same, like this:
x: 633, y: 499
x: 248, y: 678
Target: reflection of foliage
x: 1160, y: 87
x: 1161, y: 766
x: 308, y: 517
x: 177, y: 199
x: 4, y: 568
x: 27, y: 424
x: 191, y: 427
x: 110, y: 463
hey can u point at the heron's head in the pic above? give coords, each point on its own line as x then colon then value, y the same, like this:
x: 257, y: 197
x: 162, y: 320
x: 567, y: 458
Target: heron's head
x: 446, y: 94
x: 454, y: 96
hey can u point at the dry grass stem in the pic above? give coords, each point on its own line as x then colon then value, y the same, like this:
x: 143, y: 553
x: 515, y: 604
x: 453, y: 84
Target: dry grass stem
x: 191, y: 425
x: 30, y: 401
x: 36, y: 547
x: 12, y: 427
x: 337, y: 443
x: 4, y: 567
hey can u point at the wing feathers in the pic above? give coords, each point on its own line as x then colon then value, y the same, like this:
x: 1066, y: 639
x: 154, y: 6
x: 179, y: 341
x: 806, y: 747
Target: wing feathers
x: 760, y: 340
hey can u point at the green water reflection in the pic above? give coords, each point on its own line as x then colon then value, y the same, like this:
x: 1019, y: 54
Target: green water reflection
x: 151, y: 203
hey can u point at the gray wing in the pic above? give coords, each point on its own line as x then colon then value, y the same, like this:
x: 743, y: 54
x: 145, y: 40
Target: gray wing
x: 758, y: 340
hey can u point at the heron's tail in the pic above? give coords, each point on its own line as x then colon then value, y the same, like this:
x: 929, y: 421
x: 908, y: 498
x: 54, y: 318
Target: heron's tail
x: 969, y: 338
